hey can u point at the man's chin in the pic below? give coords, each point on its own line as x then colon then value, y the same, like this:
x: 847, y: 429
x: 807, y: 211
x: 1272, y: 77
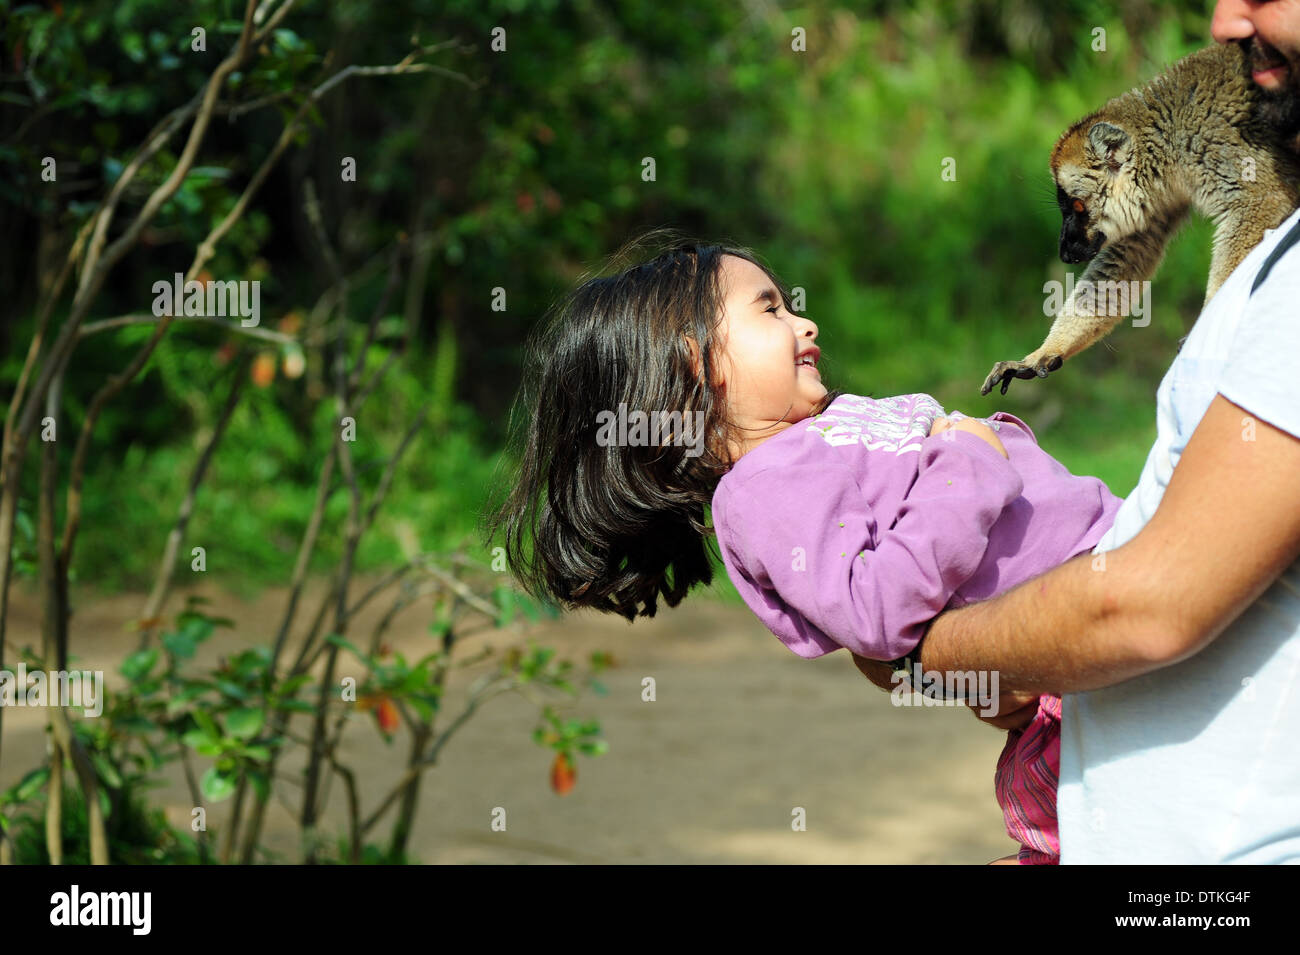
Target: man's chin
x: 1280, y: 108
x: 1279, y: 103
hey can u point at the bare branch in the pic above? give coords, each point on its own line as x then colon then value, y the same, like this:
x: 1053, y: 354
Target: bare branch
x: 475, y: 701
x: 167, y: 189
x: 34, y: 350
x: 460, y: 589
x: 167, y: 568
x: 108, y: 324
x: 394, y: 272
x: 305, y: 548
x: 206, y: 250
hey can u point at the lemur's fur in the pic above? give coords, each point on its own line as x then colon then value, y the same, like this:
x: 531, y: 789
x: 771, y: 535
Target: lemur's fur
x: 1128, y: 174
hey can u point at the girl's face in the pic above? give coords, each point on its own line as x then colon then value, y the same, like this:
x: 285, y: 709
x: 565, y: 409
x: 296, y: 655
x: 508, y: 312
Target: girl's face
x: 768, y: 367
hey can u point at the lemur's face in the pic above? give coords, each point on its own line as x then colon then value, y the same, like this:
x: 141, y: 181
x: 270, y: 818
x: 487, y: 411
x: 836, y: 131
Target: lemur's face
x: 1093, y: 168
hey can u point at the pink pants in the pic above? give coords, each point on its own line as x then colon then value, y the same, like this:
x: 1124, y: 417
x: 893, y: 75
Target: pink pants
x: 1025, y: 783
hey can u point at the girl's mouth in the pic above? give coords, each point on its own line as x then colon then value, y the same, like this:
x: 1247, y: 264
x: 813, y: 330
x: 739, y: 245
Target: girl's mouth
x: 809, y: 359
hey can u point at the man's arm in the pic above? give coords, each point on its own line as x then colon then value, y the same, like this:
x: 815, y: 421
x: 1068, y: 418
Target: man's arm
x: 1227, y: 526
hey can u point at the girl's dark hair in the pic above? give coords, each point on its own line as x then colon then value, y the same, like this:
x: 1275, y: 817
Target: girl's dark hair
x: 608, y: 526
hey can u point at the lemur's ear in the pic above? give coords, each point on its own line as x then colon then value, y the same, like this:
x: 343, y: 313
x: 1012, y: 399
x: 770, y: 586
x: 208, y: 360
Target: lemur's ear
x: 1110, y: 144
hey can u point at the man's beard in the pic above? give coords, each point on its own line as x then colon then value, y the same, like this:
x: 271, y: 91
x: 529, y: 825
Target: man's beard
x: 1280, y: 107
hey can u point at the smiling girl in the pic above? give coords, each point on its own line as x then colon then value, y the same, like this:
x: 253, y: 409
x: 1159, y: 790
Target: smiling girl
x: 844, y: 521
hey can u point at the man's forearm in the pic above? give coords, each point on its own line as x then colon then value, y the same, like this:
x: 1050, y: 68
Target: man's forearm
x: 1066, y: 631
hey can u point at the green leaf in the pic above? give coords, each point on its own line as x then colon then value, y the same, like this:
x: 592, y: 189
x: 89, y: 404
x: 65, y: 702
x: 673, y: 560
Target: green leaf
x: 505, y: 599
x: 107, y: 771
x: 292, y: 684
x: 180, y: 645
x: 134, y: 724
x: 233, y: 690
x: 24, y: 523
x: 28, y: 786
x: 245, y: 723
x: 207, y: 724
x: 415, y: 680
x: 194, y: 624
x: 216, y: 785
x: 423, y: 708
x: 287, y: 39
x: 201, y: 743
x: 530, y: 609
x: 296, y: 706
x: 338, y: 641
x: 261, y: 783
x: 137, y: 665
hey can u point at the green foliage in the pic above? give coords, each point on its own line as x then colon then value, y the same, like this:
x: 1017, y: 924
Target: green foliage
x: 137, y: 835
x: 826, y: 161
x: 225, y: 714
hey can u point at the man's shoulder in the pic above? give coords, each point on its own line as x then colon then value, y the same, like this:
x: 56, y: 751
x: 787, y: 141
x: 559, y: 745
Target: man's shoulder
x: 1288, y: 247
x: 1244, y: 290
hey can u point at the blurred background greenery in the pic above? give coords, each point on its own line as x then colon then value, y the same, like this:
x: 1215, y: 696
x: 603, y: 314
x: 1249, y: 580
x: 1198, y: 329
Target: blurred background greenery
x: 828, y: 162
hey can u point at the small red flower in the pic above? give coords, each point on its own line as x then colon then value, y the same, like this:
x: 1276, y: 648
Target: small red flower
x: 263, y: 370
x: 387, y: 714
x: 385, y: 710
x: 563, y: 774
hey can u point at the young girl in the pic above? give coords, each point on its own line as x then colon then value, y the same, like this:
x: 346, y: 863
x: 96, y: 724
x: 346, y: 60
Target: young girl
x: 844, y: 521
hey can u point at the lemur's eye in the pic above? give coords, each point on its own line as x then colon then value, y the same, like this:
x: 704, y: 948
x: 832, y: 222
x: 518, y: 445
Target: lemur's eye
x: 1078, y: 205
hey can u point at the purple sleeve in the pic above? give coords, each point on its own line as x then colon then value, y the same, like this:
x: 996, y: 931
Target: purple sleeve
x: 822, y: 567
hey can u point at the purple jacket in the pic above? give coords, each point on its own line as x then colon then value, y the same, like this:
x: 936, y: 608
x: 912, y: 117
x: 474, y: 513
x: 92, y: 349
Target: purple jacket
x: 855, y: 528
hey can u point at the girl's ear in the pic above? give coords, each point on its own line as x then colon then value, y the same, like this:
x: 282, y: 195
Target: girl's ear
x: 693, y: 347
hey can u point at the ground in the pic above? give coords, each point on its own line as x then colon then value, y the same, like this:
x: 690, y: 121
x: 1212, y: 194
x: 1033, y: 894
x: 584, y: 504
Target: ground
x: 741, y: 734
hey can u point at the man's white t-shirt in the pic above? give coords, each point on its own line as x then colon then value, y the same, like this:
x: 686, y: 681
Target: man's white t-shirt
x: 1200, y: 762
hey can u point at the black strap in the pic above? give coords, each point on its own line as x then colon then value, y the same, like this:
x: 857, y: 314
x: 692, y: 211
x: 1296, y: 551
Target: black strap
x: 1290, y: 239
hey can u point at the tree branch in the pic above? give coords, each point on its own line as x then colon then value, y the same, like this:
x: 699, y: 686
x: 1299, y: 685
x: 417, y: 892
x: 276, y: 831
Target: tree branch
x: 121, y: 321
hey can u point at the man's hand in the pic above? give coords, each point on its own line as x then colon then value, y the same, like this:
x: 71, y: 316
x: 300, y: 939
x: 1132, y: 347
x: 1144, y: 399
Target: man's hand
x: 1015, y: 711
x: 977, y: 428
x: 877, y: 671
x: 1162, y: 596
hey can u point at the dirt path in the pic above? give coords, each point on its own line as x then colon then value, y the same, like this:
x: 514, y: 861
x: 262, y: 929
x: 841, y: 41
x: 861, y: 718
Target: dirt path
x: 741, y: 733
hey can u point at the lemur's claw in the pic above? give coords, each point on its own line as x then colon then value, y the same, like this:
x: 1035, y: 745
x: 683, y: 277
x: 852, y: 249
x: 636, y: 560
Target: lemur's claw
x: 1004, y: 371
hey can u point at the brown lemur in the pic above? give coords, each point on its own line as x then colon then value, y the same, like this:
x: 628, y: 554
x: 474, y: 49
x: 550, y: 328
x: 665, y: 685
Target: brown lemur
x: 1127, y: 176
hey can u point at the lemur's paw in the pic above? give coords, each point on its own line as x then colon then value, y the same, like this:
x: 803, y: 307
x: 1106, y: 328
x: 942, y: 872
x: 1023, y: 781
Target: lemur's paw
x: 1005, y: 371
